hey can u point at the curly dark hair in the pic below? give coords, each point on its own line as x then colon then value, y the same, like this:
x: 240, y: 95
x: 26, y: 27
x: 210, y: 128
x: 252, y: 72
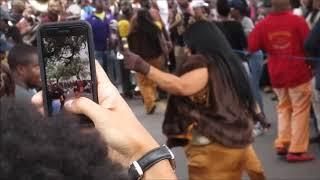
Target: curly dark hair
x: 34, y: 147
x: 7, y: 85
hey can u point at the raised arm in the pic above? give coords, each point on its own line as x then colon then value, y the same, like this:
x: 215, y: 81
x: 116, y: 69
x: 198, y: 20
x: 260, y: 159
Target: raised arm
x: 185, y: 85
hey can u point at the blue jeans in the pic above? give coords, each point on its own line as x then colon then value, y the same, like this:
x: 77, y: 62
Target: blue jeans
x: 112, y: 67
x: 56, y: 106
x: 106, y: 63
x: 101, y: 56
x: 256, y: 63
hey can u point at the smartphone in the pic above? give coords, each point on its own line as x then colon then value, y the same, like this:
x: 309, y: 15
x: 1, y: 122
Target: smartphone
x: 66, y: 55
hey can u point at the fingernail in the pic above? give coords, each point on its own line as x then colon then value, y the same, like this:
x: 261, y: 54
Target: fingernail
x: 68, y: 104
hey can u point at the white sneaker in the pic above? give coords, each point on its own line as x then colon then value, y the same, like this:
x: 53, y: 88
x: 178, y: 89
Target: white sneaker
x: 258, y: 130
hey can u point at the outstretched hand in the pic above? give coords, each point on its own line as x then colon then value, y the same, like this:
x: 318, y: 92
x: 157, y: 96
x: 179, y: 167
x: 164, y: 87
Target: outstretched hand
x: 134, y: 62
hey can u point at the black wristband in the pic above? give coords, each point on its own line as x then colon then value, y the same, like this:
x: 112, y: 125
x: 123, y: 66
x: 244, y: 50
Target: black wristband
x: 137, y: 168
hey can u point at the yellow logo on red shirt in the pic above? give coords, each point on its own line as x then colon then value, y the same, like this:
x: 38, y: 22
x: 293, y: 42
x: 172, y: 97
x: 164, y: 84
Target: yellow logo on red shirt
x: 280, y: 40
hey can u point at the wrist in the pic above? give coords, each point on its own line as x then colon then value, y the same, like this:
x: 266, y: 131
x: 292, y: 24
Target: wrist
x: 141, y: 149
x: 156, y: 163
x: 144, y: 67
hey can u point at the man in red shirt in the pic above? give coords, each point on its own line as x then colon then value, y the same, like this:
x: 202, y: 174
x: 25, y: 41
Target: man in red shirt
x: 282, y: 36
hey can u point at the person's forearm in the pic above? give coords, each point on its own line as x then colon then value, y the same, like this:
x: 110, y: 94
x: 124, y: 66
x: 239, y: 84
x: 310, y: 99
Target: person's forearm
x: 167, y: 82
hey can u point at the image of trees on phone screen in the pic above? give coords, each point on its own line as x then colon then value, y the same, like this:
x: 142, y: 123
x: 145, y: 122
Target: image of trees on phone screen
x: 67, y: 70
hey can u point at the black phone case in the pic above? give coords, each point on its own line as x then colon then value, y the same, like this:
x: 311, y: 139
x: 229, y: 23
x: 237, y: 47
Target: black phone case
x: 62, y: 25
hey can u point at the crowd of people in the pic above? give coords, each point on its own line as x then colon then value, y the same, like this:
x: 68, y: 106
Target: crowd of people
x: 60, y: 92
x: 212, y: 57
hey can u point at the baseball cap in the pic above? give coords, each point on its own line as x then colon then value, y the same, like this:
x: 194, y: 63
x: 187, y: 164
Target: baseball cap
x: 199, y: 3
x: 237, y: 4
x: 4, y: 15
x: 75, y: 11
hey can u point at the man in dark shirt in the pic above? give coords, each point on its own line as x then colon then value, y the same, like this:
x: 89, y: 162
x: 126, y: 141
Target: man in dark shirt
x: 56, y: 96
x: 234, y: 32
x: 312, y: 46
x: 177, y: 28
x: 232, y: 29
x: 23, y: 62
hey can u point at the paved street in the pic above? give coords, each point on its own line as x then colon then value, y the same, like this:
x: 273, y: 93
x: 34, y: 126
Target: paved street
x: 276, y: 169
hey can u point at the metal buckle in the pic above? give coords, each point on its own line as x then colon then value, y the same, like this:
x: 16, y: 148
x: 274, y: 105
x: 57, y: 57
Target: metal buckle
x: 138, y: 169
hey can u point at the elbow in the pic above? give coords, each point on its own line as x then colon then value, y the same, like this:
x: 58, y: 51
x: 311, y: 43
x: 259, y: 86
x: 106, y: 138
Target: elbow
x: 182, y: 91
x: 177, y: 89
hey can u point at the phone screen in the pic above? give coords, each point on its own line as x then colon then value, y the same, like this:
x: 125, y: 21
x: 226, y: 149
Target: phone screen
x: 67, y: 69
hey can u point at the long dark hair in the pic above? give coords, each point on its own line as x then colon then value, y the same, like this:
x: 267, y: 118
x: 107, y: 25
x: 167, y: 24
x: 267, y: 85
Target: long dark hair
x: 146, y: 25
x: 205, y: 38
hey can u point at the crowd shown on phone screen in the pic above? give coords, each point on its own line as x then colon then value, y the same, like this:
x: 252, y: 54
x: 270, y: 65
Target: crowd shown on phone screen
x: 210, y: 61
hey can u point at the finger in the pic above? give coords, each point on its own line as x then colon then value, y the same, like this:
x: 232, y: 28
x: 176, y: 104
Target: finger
x: 109, y: 124
x: 108, y: 96
x: 88, y: 108
x: 107, y: 92
x: 37, y: 101
x: 101, y: 74
x: 101, y: 117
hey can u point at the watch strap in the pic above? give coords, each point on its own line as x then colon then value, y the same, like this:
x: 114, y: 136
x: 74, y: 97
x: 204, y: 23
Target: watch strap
x: 137, y: 168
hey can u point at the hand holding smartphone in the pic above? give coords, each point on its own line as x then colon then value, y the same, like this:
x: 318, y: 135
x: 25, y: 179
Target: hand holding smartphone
x: 67, y: 63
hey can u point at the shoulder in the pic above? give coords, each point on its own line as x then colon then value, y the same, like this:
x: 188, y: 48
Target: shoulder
x: 262, y: 23
x: 194, y: 62
x: 229, y: 23
x: 294, y: 18
x: 235, y: 24
x: 298, y: 21
x: 23, y: 94
x: 247, y: 20
x: 90, y: 17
